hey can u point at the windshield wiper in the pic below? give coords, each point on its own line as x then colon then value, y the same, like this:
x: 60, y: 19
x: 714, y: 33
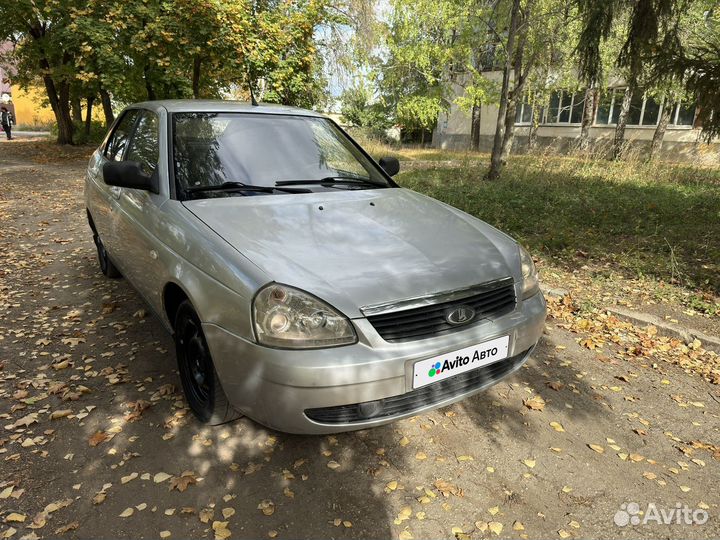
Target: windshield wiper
x: 331, y: 180
x: 240, y: 186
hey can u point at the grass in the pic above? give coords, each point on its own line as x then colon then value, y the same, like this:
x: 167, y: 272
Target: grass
x: 654, y: 220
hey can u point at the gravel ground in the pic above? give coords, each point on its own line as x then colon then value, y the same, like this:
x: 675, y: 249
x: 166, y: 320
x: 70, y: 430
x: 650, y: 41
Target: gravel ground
x: 96, y: 440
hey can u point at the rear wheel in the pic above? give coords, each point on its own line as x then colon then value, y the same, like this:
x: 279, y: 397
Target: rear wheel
x: 203, y: 390
x: 106, y: 265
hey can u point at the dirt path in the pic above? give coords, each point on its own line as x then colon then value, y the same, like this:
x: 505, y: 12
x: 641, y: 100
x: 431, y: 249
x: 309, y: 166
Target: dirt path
x: 516, y: 460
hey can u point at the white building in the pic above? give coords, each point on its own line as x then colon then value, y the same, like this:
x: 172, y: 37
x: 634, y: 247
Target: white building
x: 559, y: 125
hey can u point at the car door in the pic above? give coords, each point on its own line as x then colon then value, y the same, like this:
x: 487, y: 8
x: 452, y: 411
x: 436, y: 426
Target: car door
x: 139, y: 217
x: 102, y: 198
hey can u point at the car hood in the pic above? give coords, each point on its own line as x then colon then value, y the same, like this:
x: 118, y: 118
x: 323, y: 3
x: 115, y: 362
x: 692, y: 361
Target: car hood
x: 361, y: 247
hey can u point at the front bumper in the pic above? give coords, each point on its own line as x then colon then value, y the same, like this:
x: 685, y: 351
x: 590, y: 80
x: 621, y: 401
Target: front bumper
x: 275, y: 387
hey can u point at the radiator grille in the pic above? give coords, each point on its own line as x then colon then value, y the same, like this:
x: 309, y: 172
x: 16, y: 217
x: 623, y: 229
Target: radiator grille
x: 430, y: 320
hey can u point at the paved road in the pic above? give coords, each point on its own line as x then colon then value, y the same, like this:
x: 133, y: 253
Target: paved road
x: 502, y: 461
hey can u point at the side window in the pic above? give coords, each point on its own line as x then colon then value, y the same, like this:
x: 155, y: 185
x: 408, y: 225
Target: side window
x: 144, y: 145
x: 119, y: 139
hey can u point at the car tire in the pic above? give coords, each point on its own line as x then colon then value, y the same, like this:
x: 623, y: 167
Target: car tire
x: 106, y: 265
x: 200, y: 381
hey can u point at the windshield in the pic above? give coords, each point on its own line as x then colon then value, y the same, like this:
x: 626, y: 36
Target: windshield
x: 263, y: 149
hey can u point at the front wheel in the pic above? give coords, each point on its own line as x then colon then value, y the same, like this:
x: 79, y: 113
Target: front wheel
x: 106, y: 265
x: 203, y: 390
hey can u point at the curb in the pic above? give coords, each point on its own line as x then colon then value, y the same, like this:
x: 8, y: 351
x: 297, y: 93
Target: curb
x: 664, y: 328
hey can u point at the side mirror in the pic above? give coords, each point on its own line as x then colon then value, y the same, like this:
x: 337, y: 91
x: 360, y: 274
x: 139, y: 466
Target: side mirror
x: 390, y: 165
x: 129, y: 174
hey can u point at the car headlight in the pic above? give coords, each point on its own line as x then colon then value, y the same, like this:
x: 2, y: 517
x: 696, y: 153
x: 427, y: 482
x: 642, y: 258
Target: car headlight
x: 290, y: 318
x: 531, y: 282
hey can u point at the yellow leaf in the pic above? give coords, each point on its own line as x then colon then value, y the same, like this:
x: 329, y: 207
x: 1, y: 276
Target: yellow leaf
x: 535, y: 403
x: 517, y: 526
x: 599, y: 449
x: 127, y: 512
x: 563, y: 533
x: 557, y: 427
x: 495, y: 527
x: 404, y: 441
x: 465, y: 458
x: 161, y: 477
x: 405, y: 535
x: 529, y: 463
x: 15, y: 517
x: 227, y: 512
x: 267, y: 507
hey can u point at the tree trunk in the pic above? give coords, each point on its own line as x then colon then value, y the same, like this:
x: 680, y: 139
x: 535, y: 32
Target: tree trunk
x: 197, y: 61
x: 148, y: 85
x: 509, y: 134
x: 475, y: 127
x: 107, y: 107
x: 64, y: 104
x: 659, y: 135
x: 62, y: 112
x: 76, y: 108
x: 88, y: 114
x: 534, y: 124
x: 619, y: 143
x: 496, y: 156
x: 587, y: 118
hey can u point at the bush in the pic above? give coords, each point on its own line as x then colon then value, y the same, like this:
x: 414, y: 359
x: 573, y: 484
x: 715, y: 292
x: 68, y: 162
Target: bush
x: 98, y: 130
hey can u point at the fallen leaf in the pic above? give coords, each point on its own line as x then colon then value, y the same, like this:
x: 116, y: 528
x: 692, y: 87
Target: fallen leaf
x: 161, y: 477
x: 557, y: 427
x: 221, y: 530
x: 599, y: 449
x: 127, y: 512
x: 535, y: 403
x: 447, y: 489
x: 182, y: 482
x: 495, y: 527
x: 267, y: 507
x: 98, y: 437
x: 227, y: 512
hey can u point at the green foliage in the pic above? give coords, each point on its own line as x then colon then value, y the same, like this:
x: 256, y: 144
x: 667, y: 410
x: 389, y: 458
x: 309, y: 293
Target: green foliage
x: 358, y: 106
x: 631, y: 215
x: 155, y: 49
x: 418, y: 112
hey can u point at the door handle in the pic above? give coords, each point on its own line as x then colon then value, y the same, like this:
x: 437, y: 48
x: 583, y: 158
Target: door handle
x: 115, y: 191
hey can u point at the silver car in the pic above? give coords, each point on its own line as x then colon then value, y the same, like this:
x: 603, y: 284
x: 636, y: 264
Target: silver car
x: 303, y: 287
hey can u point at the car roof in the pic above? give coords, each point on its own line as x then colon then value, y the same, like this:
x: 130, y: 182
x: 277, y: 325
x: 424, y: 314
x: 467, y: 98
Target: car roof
x: 218, y: 106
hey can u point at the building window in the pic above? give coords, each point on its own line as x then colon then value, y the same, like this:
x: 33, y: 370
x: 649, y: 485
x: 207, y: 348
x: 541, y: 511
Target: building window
x: 684, y: 115
x: 523, y: 113
x: 644, y: 111
x: 565, y: 108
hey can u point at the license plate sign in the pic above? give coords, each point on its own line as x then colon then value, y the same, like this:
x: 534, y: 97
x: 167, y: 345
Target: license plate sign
x: 447, y: 365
